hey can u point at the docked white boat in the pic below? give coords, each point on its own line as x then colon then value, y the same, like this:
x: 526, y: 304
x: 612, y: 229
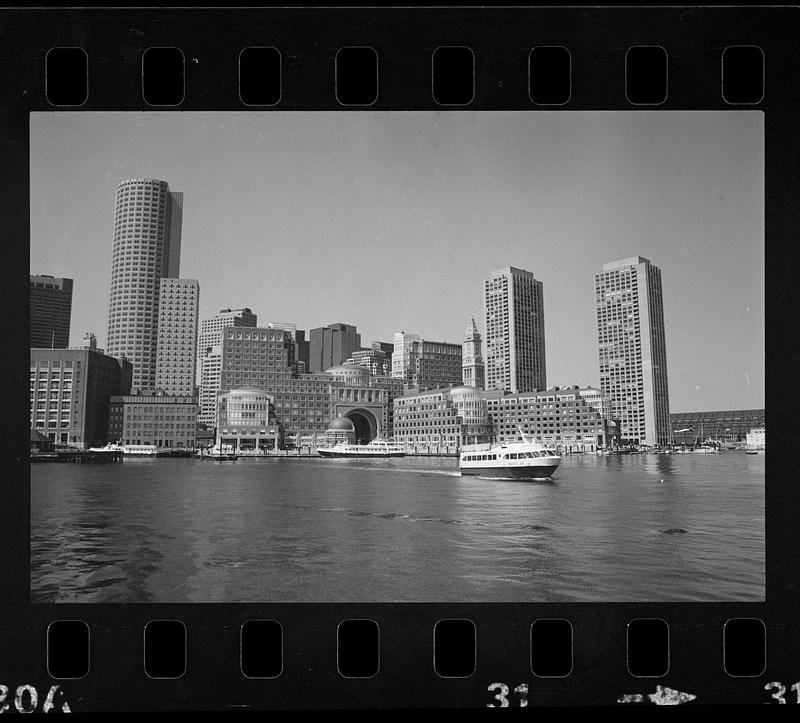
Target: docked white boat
x: 376, y: 448
x: 141, y: 450
x: 705, y: 449
x: 519, y: 460
x: 218, y: 452
x: 133, y: 450
x: 110, y: 447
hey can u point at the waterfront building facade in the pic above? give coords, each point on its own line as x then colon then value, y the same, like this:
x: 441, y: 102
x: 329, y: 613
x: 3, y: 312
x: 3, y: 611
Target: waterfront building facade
x: 153, y: 417
x: 473, y: 368
x: 515, y: 338
x: 179, y: 301
x: 757, y: 438
x: 304, y: 404
x: 365, y: 399
x: 567, y: 418
x: 632, y: 349
x: 728, y: 426
x: 332, y: 345
x: 70, y: 393
x: 146, y: 248
x: 442, y: 419
x: 472, y: 406
x: 51, y: 311
x: 261, y: 357
x: 424, y: 364
x: 209, y: 357
x: 246, y: 421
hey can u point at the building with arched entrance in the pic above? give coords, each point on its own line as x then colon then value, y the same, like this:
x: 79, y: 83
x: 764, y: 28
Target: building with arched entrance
x: 365, y: 424
x: 365, y: 399
x: 305, y: 404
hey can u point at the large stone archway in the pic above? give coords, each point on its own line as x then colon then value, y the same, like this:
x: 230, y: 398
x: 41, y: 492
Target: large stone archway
x: 365, y: 424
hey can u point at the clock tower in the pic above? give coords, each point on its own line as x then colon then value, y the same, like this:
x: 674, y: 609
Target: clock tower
x: 472, y: 366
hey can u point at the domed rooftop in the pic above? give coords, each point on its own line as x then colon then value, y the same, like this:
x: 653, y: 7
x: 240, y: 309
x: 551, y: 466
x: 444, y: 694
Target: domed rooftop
x: 240, y: 392
x: 341, y: 423
x: 348, y: 370
x: 465, y: 389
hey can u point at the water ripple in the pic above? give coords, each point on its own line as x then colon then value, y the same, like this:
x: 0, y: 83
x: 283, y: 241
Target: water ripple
x: 402, y: 530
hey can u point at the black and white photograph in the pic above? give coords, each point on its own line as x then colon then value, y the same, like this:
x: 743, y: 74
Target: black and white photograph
x: 397, y: 357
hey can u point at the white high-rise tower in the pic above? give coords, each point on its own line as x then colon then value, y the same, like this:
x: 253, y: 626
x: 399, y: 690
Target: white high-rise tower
x: 146, y: 248
x: 515, y: 351
x: 632, y: 349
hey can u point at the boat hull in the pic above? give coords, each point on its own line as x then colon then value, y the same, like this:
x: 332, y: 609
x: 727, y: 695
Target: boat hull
x: 362, y: 455
x: 518, y: 472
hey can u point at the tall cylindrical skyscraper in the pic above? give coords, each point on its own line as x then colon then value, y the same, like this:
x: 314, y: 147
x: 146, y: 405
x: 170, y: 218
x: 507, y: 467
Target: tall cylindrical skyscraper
x: 146, y: 248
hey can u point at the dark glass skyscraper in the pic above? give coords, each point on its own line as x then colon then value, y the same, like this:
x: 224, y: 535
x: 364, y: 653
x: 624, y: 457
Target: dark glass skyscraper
x: 332, y: 345
x: 51, y: 310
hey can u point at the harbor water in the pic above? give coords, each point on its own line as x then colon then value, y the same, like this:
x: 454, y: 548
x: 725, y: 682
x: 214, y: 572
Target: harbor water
x: 605, y: 529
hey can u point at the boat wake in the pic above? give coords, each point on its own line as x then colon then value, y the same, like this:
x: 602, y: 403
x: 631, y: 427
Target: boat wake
x: 440, y: 472
x: 546, y: 480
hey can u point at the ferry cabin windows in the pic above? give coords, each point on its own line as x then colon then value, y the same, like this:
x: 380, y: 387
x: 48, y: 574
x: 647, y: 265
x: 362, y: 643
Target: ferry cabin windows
x: 510, y: 455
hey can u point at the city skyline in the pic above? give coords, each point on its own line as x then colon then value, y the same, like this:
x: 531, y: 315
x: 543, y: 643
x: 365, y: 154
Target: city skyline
x: 379, y: 248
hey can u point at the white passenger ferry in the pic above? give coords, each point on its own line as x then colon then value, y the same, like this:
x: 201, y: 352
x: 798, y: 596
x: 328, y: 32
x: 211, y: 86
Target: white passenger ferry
x: 133, y: 450
x: 141, y: 450
x: 110, y: 447
x: 519, y: 460
x: 376, y: 448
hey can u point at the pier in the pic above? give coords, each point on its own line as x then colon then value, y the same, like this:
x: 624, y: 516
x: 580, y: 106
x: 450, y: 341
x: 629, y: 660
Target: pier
x: 311, y: 453
x: 77, y: 456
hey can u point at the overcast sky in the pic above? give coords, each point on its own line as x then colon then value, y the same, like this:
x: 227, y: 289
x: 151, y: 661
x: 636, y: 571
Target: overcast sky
x: 391, y: 221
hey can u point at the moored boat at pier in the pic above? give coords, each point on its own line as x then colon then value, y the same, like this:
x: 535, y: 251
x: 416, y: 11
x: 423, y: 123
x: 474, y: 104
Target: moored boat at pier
x: 218, y: 452
x: 109, y: 447
x: 375, y: 448
x: 131, y: 450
